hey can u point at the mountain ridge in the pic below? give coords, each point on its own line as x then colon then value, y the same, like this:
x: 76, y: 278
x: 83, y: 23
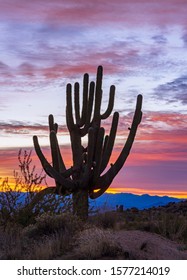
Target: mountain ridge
x: 109, y: 201
x: 128, y: 200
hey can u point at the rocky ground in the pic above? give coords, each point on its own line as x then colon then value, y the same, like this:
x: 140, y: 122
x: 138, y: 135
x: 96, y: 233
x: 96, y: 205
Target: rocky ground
x: 141, y: 245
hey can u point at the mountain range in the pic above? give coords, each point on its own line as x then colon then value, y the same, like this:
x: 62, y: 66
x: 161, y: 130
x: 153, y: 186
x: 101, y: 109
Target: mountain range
x: 109, y: 201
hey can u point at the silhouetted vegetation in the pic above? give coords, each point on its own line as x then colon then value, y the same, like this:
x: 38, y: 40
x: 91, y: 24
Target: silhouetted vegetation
x: 85, y: 178
x: 19, y: 200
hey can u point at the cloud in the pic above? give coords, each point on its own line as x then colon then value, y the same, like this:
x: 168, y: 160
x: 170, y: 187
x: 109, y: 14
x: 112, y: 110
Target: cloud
x: 184, y: 38
x: 160, y: 39
x: 161, y: 138
x: 17, y: 127
x: 47, y: 64
x: 3, y: 66
x: 174, y: 91
x: 95, y: 12
x: 165, y: 120
x: 162, y: 177
x: 5, y: 71
x: 44, y: 50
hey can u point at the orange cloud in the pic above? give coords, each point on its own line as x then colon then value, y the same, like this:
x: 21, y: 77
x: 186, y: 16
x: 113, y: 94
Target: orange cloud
x: 139, y: 191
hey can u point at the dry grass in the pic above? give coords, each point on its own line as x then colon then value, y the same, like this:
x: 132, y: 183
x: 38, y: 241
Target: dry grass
x: 12, y: 245
x: 172, y: 227
x: 96, y: 243
x: 50, y: 237
x: 51, y: 247
x: 107, y: 220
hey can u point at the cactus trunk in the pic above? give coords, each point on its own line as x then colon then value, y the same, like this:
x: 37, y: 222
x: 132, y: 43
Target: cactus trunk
x: 85, y: 179
x: 80, y: 204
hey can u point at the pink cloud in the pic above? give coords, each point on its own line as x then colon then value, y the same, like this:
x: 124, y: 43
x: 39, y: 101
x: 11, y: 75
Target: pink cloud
x: 158, y: 175
x: 96, y: 12
x: 78, y: 66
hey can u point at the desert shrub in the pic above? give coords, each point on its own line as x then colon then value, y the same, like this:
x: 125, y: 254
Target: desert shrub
x: 12, y: 245
x: 172, y: 226
x: 148, y: 226
x: 105, y: 220
x: 16, y: 199
x: 95, y: 243
x: 17, y: 246
x: 51, y: 236
x: 47, y: 224
x: 50, y: 247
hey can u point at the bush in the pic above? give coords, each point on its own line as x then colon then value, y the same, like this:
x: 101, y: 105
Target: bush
x: 172, y: 226
x: 23, y: 201
x: 48, y: 224
x: 51, y: 237
x: 105, y: 220
x: 12, y: 244
x: 96, y: 243
x: 50, y: 247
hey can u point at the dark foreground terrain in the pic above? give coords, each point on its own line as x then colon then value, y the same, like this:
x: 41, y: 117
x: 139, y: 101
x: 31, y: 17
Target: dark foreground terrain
x: 155, y: 233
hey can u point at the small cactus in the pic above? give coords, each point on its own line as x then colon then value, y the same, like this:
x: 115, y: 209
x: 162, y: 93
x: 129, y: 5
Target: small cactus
x: 85, y: 178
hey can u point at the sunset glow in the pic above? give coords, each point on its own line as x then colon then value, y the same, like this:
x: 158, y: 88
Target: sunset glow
x: 142, y: 46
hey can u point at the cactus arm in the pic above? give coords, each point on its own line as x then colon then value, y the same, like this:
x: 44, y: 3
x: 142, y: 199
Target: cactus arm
x: 90, y: 149
x: 52, y: 125
x: 85, y: 99
x: 55, y: 150
x: 98, y: 154
x: 49, y: 169
x: 105, y: 143
x: 98, y: 96
x: 51, y: 122
x: 76, y: 103
x: 110, y: 142
x: 57, y: 159
x: 69, y: 109
x: 68, y: 172
x: 73, y: 129
x: 105, y: 180
x: 38, y: 150
x: 56, y: 127
x: 87, y: 125
x: 76, y: 147
x: 62, y: 166
x: 109, y: 109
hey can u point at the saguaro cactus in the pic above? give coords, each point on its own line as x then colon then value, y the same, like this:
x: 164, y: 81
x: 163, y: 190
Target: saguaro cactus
x: 84, y: 178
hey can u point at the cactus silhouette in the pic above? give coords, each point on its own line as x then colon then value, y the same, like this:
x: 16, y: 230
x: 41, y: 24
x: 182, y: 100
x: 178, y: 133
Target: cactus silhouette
x: 85, y: 178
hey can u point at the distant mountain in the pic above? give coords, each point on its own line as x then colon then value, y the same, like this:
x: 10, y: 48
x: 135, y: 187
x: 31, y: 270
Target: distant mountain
x: 109, y: 201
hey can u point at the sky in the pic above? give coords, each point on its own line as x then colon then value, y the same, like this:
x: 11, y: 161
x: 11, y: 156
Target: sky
x: 142, y: 46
